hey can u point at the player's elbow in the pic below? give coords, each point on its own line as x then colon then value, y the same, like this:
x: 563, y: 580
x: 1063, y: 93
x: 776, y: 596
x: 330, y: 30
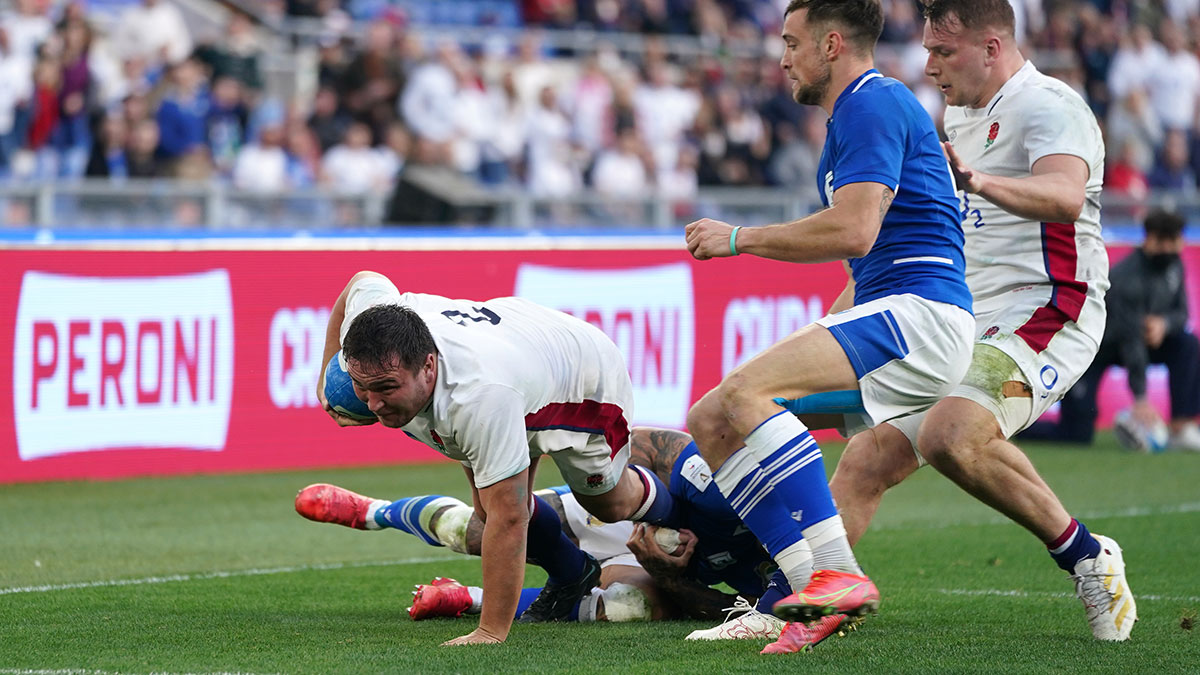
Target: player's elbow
x: 1069, y: 206
x: 856, y: 244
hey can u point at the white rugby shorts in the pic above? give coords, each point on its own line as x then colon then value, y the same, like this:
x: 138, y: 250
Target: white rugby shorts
x: 908, y: 353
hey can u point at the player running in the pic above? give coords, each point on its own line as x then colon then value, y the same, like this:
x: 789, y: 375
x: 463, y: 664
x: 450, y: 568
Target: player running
x: 897, y: 339
x: 491, y: 385
x: 1029, y: 157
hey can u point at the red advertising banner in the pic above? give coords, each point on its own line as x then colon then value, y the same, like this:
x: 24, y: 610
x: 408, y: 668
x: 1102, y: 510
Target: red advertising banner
x: 124, y: 363
x: 127, y: 363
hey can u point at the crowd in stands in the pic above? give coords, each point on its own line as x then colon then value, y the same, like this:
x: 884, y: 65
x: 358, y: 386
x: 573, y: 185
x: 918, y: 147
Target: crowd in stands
x: 144, y: 100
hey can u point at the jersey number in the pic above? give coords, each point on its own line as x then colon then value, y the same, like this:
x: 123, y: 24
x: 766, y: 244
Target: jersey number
x: 968, y: 213
x: 478, y: 314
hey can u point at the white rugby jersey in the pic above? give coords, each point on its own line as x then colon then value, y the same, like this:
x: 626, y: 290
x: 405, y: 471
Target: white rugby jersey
x: 1030, y: 117
x: 506, y: 368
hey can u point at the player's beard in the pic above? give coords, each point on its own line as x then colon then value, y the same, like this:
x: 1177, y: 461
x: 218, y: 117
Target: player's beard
x: 814, y: 92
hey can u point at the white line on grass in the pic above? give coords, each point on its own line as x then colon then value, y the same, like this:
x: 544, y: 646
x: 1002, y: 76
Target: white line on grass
x: 997, y: 592
x: 217, y: 575
x: 1128, y: 512
x: 81, y: 671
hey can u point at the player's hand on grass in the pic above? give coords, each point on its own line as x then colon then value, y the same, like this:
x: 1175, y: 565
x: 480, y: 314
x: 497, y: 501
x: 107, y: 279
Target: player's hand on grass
x: 707, y: 238
x: 965, y: 178
x: 344, y: 421
x: 479, y: 636
x: 656, y: 561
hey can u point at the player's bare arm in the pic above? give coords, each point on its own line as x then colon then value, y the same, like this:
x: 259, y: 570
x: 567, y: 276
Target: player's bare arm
x: 1054, y: 192
x: 669, y: 573
x: 847, y: 229
x: 657, y: 450
x: 506, y: 508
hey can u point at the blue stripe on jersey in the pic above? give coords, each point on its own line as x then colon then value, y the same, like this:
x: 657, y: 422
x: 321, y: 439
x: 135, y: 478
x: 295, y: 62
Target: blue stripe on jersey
x: 871, y: 341
x: 879, y: 133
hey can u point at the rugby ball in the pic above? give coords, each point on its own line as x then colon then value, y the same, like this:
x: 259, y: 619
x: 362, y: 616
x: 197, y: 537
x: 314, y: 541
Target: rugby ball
x: 339, y: 391
x: 667, y: 539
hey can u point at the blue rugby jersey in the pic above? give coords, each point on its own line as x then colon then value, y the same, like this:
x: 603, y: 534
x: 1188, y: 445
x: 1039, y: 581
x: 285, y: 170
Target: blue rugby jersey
x: 879, y: 133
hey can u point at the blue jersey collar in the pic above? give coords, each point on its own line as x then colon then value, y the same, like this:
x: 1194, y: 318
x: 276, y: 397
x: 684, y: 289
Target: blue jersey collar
x: 856, y: 85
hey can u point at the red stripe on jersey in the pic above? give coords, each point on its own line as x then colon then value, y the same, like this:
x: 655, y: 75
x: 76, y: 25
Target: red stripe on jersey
x: 1069, y: 294
x: 605, y: 419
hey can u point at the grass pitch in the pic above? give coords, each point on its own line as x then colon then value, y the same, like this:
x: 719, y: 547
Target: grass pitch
x: 218, y: 574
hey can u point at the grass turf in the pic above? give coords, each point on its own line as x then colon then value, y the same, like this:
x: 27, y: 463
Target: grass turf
x: 218, y: 574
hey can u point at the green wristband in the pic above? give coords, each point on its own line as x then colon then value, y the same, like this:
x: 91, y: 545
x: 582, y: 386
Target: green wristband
x: 733, y: 240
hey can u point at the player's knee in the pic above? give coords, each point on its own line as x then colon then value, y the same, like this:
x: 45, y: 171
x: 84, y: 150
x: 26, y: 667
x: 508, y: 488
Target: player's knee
x: 945, y: 447
x: 705, y: 420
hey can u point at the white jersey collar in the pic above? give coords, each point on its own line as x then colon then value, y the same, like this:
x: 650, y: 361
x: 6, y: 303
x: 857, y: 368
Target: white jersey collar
x: 1023, y: 73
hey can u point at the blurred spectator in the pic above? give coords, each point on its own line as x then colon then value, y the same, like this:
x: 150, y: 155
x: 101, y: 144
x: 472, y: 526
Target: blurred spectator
x: 262, y: 165
x: 1147, y: 323
x: 303, y: 157
x: 393, y: 154
x: 225, y: 123
x: 1132, y: 115
x: 427, y: 104
x: 28, y: 27
x: 553, y: 170
x: 664, y: 112
x: 1175, y: 86
x: 501, y: 153
x: 1096, y: 46
x: 1123, y: 173
x: 354, y: 167
x: 154, y: 30
x: 589, y: 103
x: 44, y: 112
x: 1173, y: 170
x: 108, y: 157
x: 72, y: 137
x: 374, y: 78
x: 328, y: 121
x: 141, y: 160
x: 181, y: 115
x: 16, y: 88
x: 623, y: 171
x: 236, y: 55
x: 473, y: 118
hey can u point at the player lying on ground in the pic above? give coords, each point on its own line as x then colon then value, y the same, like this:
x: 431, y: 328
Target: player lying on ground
x: 715, y: 547
x: 494, y: 385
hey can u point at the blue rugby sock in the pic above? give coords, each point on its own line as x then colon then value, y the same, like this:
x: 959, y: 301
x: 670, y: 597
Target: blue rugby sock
x: 1073, y: 545
x: 413, y: 515
x: 777, y: 486
x: 528, y: 595
x: 777, y: 590
x: 549, y: 547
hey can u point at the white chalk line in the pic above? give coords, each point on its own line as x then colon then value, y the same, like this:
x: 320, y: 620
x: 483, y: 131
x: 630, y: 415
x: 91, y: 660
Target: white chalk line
x: 1128, y: 512
x: 83, y: 671
x: 1001, y: 593
x: 222, y: 574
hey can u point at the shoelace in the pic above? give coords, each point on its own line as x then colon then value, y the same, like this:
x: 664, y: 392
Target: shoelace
x: 1090, y: 587
x: 740, y: 606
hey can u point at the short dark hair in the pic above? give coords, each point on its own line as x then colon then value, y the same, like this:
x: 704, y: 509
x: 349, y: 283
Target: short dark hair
x: 383, y: 334
x: 860, y: 20
x: 1163, y: 224
x: 972, y: 14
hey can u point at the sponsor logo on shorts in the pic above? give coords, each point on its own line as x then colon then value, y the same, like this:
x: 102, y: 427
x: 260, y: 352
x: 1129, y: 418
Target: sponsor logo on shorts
x: 122, y: 362
x: 647, y: 311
